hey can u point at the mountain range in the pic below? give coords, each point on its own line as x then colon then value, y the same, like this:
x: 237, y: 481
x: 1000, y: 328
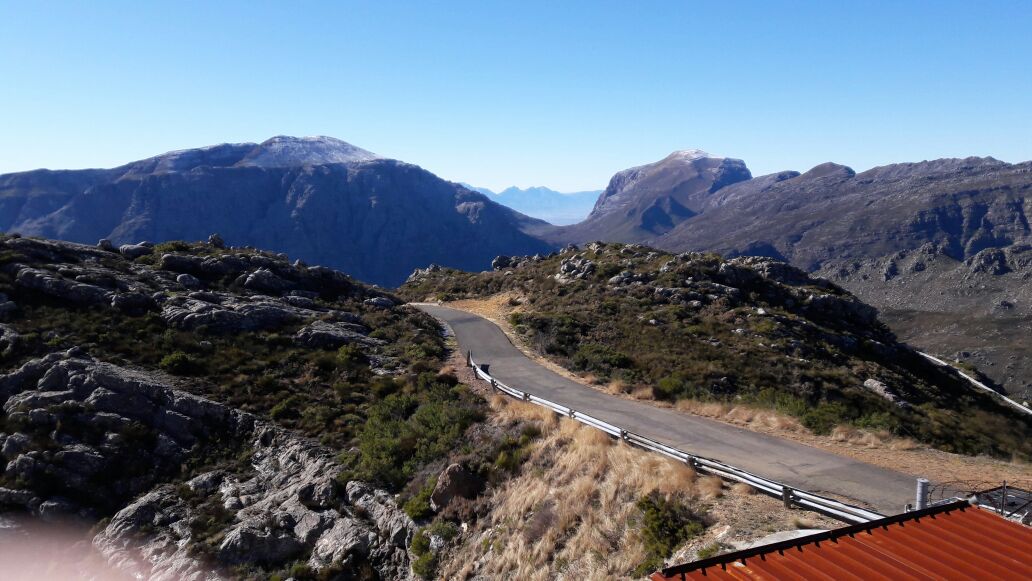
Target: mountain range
x: 943, y: 248
x: 315, y: 198
x: 559, y: 208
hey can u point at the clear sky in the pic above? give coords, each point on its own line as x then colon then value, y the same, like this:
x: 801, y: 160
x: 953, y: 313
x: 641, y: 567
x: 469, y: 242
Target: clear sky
x: 561, y: 94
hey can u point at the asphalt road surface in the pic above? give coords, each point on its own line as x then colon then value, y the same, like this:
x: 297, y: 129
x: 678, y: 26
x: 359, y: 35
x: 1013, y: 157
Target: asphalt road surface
x: 791, y: 463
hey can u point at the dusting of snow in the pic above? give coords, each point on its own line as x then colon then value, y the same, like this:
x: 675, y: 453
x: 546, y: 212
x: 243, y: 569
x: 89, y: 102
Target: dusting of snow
x: 280, y: 151
x: 284, y: 151
x: 690, y: 154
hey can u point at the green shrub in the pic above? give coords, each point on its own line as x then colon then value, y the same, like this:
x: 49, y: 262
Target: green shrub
x: 444, y: 529
x: 425, y: 566
x: 351, y: 357
x: 418, y: 507
x: 408, y: 429
x: 286, y: 408
x: 665, y: 525
x: 600, y: 359
x: 179, y: 363
x: 171, y: 246
x: 824, y: 417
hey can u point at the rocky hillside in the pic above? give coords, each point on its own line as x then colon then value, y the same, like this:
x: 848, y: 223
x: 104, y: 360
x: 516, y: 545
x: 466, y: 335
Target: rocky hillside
x: 320, y: 199
x: 220, y: 412
x: 750, y: 330
x: 967, y: 216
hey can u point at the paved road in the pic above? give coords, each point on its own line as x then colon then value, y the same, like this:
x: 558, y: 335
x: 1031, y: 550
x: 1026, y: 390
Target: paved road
x: 790, y: 463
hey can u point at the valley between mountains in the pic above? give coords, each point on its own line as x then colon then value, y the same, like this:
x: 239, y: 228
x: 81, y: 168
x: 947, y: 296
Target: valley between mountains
x: 210, y: 360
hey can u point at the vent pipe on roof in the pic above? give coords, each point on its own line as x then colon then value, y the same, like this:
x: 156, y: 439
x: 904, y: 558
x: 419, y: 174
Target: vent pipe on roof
x: 922, y: 493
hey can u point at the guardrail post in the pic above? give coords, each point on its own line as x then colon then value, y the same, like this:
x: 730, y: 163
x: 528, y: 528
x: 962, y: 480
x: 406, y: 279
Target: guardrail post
x: 786, y: 496
x: 526, y: 396
x: 469, y: 358
x: 493, y: 384
x: 572, y: 413
x: 623, y: 435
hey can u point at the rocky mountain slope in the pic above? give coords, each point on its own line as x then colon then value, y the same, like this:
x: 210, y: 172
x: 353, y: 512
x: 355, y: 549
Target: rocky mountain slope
x: 749, y: 330
x: 559, y: 208
x: 319, y: 199
x: 218, y: 410
x: 643, y: 202
x: 940, y: 246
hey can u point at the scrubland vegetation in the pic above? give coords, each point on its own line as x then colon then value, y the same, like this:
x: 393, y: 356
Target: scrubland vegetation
x: 747, y: 332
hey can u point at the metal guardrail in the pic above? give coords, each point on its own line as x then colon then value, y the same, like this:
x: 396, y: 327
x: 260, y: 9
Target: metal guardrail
x: 791, y: 496
x: 976, y: 383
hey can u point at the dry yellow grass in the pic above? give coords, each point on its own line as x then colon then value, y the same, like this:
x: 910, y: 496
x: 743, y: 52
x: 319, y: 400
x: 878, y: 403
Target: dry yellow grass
x: 743, y: 488
x: 617, y: 387
x: 643, y: 392
x: 571, y: 510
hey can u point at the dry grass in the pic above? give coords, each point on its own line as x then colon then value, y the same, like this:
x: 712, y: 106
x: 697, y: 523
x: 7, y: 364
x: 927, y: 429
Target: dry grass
x: 760, y: 419
x: 743, y: 488
x: 618, y: 387
x: 643, y: 392
x: 571, y: 511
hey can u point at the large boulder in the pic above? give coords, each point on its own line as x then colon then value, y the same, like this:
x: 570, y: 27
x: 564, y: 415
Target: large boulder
x: 133, y: 251
x: 455, y: 481
x: 55, y: 285
x: 327, y: 335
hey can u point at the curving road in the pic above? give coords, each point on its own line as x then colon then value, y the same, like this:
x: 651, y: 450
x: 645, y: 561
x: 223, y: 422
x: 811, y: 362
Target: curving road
x: 788, y: 462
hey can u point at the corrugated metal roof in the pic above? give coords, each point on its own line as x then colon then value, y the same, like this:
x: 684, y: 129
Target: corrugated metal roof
x: 954, y: 541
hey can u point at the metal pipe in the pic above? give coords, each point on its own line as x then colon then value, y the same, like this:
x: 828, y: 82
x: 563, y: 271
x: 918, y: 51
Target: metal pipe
x: 921, y: 500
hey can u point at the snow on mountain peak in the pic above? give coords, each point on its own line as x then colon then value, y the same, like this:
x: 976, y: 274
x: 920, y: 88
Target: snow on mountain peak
x: 285, y: 151
x: 689, y: 154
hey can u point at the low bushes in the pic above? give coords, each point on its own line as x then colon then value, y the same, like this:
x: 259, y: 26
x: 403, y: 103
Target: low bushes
x: 666, y: 523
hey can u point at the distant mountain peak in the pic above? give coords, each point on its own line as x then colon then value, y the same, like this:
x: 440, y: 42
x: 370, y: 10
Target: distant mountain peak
x: 689, y: 155
x: 285, y: 151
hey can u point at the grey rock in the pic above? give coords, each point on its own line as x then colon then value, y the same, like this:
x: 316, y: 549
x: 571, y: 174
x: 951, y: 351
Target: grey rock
x: 80, y: 459
x: 106, y: 245
x: 13, y: 497
x: 56, y: 509
x: 134, y: 251
x: 216, y: 241
x: 134, y: 303
x: 181, y: 263
x: 255, y: 542
x: 265, y: 281
x: 9, y: 339
x: 188, y: 280
x: 380, y: 302
x: 14, y: 445
x: 454, y: 481
x: 55, y: 285
x: 326, y: 335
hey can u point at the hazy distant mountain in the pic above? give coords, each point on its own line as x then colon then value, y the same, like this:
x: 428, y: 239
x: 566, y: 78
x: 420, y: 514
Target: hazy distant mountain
x: 554, y: 207
x: 315, y: 198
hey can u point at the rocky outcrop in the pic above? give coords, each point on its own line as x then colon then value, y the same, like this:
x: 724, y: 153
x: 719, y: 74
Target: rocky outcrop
x: 98, y: 418
x: 332, y: 335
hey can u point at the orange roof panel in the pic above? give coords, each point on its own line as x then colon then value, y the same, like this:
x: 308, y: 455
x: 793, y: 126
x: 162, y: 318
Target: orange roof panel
x: 954, y: 541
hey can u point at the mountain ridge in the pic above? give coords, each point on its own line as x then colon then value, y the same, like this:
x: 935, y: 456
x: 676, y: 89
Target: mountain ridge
x: 347, y: 214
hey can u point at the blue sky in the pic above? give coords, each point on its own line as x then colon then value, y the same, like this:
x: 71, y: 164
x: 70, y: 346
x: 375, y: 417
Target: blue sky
x: 523, y: 93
